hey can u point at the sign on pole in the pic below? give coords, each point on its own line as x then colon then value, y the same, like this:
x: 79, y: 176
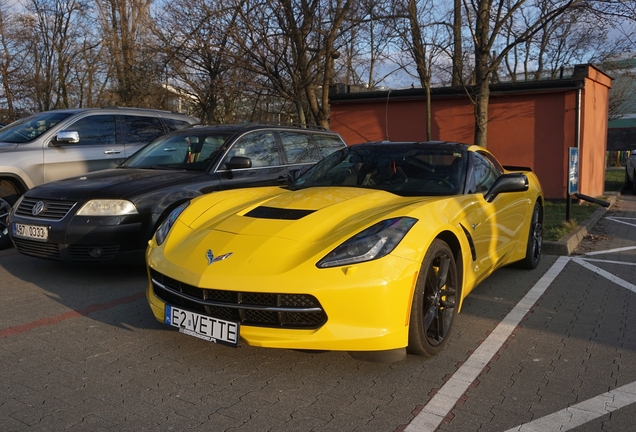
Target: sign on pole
x: 573, y: 171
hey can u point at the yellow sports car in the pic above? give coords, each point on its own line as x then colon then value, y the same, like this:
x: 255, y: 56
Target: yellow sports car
x: 371, y: 251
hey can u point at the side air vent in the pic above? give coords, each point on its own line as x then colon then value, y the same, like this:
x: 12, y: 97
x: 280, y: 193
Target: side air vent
x: 263, y: 212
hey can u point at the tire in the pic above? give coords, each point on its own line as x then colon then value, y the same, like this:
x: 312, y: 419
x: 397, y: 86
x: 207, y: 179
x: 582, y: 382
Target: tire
x: 634, y: 182
x: 629, y: 184
x: 535, y: 240
x: 8, y: 197
x: 434, y: 300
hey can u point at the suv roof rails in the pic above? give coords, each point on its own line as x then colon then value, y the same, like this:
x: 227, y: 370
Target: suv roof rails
x: 256, y: 124
x: 137, y: 108
x: 288, y: 124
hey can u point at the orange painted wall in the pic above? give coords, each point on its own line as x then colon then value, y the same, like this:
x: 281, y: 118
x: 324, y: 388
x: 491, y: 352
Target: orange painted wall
x: 594, y: 133
x: 532, y: 129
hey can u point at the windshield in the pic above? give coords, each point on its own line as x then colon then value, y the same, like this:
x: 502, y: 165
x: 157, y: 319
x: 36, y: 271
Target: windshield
x: 194, y: 152
x: 403, y: 169
x: 30, y: 128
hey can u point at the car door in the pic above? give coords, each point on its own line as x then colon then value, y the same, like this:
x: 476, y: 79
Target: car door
x: 300, y: 150
x: 494, y: 225
x: 136, y: 131
x: 267, y: 169
x: 96, y: 149
x: 328, y: 144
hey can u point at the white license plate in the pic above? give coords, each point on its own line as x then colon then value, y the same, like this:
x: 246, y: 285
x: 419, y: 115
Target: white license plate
x: 34, y: 232
x: 201, y: 326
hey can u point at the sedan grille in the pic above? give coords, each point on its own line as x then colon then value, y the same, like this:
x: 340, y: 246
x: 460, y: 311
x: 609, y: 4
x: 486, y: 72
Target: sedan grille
x: 290, y: 311
x: 53, y: 209
x: 76, y: 253
x: 37, y: 249
x: 87, y: 253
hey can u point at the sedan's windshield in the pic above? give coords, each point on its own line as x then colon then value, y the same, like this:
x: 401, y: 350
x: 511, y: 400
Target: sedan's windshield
x: 194, y: 151
x: 30, y: 128
x: 404, y: 169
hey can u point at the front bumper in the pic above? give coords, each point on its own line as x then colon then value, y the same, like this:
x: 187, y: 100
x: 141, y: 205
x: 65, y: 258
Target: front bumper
x: 105, y: 239
x: 365, y: 307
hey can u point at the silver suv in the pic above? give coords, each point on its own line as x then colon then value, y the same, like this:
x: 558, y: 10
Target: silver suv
x: 57, y: 144
x: 630, y: 173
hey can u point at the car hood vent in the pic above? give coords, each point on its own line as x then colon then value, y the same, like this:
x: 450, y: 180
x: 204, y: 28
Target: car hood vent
x: 264, y: 212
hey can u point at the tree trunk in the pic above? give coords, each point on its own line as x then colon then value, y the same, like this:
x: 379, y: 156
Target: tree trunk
x: 482, y: 97
x: 482, y: 72
x: 419, y: 55
x: 457, y: 44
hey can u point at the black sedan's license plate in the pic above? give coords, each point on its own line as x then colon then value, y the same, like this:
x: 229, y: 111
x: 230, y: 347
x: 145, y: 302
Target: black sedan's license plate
x: 203, y: 327
x: 33, y: 232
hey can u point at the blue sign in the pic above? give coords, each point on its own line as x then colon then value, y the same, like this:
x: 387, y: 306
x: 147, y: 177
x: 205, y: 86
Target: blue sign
x: 573, y: 171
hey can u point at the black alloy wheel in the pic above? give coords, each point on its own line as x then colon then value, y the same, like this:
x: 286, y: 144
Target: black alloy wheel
x: 8, y: 196
x: 434, y: 301
x: 5, y: 241
x: 535, y: 240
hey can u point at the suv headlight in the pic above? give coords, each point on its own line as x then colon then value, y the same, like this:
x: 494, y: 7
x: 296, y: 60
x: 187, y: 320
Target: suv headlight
x: 374, y: 242
x: 164, y: 228
x: 107, y: 207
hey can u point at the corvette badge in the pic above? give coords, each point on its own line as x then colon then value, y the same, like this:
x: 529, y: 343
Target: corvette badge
x: 212, y: 259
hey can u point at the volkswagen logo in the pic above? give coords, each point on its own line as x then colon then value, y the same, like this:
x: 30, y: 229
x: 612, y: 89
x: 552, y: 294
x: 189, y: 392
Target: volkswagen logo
x: 37, y: 208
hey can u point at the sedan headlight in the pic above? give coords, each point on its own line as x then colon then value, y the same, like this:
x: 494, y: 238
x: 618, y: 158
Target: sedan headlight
x: 107, y: 207
x: 164, y: 228
x: 372, y: 243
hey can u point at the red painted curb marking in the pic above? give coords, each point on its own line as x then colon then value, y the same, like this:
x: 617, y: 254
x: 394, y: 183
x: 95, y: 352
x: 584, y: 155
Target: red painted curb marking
x: 10, y: 331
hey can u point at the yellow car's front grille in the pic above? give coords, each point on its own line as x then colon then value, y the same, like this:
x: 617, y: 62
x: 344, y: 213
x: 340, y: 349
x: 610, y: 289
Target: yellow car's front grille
x: 289, y: 311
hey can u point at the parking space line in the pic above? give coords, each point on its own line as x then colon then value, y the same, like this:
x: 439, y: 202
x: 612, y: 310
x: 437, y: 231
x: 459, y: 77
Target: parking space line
x: 607, y: 275
x: 609, y: 261
x: 622, y: 220
x: 445, y: 399
x: 581, y: 413
x: 608, y: 251
x: 42, y: 322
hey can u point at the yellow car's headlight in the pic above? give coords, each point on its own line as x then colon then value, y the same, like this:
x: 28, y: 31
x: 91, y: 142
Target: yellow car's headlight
x: 164, y: 228
x: 107, y: 207
x: 372, y: 243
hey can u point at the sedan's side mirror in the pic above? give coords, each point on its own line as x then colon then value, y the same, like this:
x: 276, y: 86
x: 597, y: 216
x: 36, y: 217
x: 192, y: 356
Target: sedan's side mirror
x: 239, y: 162
x: 65, y: 137
x: 507, y: 183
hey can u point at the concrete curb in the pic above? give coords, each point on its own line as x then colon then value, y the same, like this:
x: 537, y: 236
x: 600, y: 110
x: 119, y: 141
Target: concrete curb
x: 567, y: 244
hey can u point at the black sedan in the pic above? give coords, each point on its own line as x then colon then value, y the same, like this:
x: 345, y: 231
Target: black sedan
x: 108, y: 216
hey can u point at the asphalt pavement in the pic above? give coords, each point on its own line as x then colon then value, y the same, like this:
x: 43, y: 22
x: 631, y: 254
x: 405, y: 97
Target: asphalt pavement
x: 542, y: 350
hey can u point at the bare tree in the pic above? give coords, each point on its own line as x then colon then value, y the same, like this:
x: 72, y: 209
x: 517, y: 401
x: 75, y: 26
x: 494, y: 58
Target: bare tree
x: 427, y: 42
x: 10, y: 61
x: 197, y: 40
x: 294, y: 45
x: 577, y: 36
x: 488, y: 19
x: 375, y: 39
x: 458, y: 63
x: 125, y: 26
x: 421, y: 55
x: 498, y: 27
x: 53, y: 28
x: 623, y: 93
x: 90, y: 72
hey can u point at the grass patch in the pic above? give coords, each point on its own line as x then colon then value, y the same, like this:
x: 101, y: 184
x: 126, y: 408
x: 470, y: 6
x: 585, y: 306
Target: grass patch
x: 614, y: 179
x: 554, y: 224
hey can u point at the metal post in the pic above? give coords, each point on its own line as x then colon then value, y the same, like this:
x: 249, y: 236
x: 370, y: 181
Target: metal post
x: 577, y: 142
